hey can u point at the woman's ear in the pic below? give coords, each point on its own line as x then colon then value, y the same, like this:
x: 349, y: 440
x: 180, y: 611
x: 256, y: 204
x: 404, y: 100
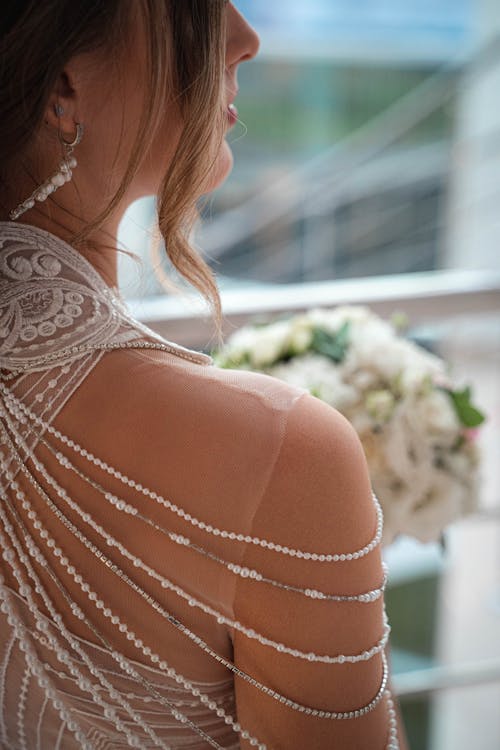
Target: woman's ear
x: 62, y: 108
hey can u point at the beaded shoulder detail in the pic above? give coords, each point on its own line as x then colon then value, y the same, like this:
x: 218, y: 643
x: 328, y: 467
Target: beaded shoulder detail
x: 113, y: 554
x: 57, y: 318
x: 55, y: 307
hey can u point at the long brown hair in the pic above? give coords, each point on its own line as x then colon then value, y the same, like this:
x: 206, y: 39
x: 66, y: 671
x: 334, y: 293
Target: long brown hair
x: 38, y: 38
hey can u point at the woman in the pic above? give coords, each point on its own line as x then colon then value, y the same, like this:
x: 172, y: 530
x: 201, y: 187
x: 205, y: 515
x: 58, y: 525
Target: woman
x: 190, y: 556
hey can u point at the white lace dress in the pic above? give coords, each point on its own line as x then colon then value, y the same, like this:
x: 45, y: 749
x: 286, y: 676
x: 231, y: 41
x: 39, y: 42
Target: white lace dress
x: 117, y: 597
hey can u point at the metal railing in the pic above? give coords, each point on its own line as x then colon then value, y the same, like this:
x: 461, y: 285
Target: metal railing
x: 425, y: 298
x: 422, y: 682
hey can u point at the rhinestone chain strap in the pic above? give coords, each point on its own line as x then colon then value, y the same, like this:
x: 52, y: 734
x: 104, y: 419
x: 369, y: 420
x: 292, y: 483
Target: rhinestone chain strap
x: 195, y: 639
x: 165, y: 583
x: 131, y: 636
x: 22, y: 412
x: 63, y: 657
x: 243, y: 572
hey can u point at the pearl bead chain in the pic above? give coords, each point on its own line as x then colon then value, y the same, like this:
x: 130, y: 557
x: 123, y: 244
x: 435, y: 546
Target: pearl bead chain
x: 42, y: 192
x: 174, y: 588
x: 22, y: 635
x: 198, y: 641
x: 35, y: 427
x: 202, y: 525
x: 64, y: 657
x: 393, y: 743
x: 241, y: 571
x: 308, y: 711
x: 124, y: 664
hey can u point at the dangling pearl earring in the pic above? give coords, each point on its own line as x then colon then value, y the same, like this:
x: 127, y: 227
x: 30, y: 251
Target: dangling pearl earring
x: 63, y: 175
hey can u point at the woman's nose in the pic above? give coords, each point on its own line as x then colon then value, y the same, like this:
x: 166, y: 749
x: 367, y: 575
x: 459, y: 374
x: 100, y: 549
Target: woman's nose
x: 242, y: 40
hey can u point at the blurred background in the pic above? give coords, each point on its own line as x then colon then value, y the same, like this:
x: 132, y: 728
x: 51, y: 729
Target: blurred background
x: 369, y: 145
x: 367, y: 170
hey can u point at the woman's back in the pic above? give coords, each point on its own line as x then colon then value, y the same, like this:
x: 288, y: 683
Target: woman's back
x: 142, y: 504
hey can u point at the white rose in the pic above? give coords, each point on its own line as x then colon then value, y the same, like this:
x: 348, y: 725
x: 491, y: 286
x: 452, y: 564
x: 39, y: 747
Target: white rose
x: 462, y: 465
x: 443, y: 504
x: 336, y: 393
x: 380, y: 404
x: 363, y: 380
x: 240, y: 343
x: 300, y: 336
x: 407, y: 452
x: 436, y: 415
x: 298, y: 371
x: 372, y: 351
x: 262, y: 345
x: 266, y: 350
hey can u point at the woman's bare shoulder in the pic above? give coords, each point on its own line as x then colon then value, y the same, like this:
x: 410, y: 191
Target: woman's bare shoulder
x: 151, y: 396
x: 163, y: 417
x: 319, y: 493
x: 153, y: 384
x: 318, y: 503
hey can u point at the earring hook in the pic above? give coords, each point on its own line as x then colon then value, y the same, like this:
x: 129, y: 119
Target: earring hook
x: 77, y: 139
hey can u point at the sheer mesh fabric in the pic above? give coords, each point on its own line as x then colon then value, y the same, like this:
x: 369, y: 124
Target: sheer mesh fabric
x: 30, y: 719
x: 115, y: 632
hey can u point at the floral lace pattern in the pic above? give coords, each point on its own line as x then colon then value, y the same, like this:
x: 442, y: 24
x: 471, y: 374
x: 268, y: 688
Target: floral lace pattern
x: 53, y: 302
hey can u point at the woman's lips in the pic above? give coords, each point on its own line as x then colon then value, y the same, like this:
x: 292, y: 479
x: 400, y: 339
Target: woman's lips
x: 232, y: 115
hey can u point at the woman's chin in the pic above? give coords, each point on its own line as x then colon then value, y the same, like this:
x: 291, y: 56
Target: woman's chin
x: 222, y: 168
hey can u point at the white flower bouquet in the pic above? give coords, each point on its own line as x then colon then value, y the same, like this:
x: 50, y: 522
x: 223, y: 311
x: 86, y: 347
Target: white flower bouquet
x: 418, y: 430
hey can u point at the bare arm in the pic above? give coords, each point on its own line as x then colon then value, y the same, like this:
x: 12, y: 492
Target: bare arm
x: 319, y: 498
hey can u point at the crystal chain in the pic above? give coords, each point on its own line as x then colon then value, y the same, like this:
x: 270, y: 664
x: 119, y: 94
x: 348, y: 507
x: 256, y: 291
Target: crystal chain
x: 243, y: 572
x: 83, y: 683
x: 15, y: 406
x: 73, y: 352
x: 62, y: 654
x: 37, y: 667
x: 192, y: 601
x: 392, y: 745
x: 92, y: 596
x: 58, y: 553
x: 198, y: 641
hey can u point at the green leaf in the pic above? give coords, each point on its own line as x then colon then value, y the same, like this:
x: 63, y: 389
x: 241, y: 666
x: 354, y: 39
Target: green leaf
x: 467, y: 413
x: 332, y: 345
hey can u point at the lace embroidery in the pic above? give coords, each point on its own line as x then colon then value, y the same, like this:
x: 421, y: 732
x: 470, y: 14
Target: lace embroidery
x: 46, y: 305
x: 53, y: 303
